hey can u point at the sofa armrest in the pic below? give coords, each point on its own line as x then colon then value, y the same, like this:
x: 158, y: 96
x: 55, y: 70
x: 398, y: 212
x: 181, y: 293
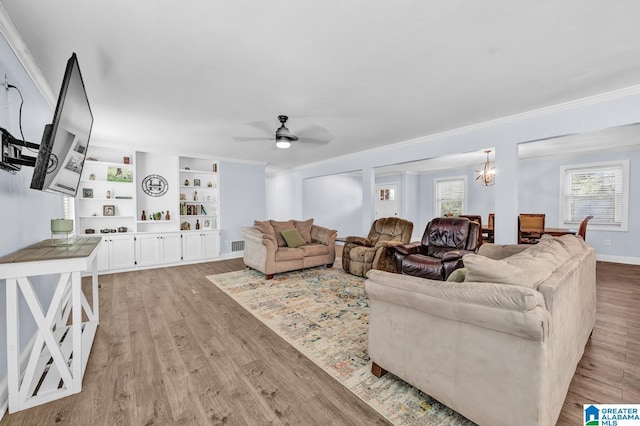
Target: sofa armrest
x: 407, y: 249
x: 253, y: 235
x: 501, y: 307
x: 455, y: 255
x: 360, y: 241
x: 322, y: 235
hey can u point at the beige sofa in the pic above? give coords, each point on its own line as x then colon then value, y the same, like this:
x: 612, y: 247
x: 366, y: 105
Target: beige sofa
x: 500, y: 347
x: 266, y: 250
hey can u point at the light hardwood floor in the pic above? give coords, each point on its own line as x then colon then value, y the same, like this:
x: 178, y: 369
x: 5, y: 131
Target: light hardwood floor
x: 174, y: 349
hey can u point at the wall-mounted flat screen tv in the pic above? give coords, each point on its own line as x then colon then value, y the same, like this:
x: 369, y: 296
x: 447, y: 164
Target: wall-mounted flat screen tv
x: 65, y: 141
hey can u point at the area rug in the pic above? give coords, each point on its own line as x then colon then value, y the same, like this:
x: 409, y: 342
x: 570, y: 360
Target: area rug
x: 324, y: 313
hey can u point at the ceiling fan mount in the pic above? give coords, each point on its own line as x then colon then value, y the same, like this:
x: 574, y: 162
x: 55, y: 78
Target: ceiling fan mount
x: 283, y: 136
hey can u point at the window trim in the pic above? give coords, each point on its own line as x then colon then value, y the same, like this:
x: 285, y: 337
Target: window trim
x: 624, y: 222
x: 436, y: 181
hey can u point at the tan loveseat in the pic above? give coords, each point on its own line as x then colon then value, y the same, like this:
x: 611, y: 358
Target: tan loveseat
x: 266, y: 250
x: 500, y: 347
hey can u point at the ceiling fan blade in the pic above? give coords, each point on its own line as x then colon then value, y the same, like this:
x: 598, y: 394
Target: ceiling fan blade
x: 315, y: 134
x: 250, y: 138
x: 263, y: 126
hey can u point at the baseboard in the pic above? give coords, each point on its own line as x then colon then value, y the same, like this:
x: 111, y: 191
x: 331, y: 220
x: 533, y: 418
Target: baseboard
x: 4, y: 384
x: 618, y: 259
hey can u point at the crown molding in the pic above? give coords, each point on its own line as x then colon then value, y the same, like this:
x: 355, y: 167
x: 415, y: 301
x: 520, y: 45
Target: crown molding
x: 17, y: 44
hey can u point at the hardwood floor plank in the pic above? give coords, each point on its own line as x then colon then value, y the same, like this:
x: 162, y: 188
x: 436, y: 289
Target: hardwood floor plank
x: 172, y: 348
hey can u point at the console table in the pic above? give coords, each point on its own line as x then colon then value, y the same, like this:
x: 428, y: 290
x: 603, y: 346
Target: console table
x: 60, y: 351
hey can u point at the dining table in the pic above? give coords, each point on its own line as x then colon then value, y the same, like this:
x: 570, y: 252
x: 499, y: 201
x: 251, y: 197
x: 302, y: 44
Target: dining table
x: 556, y: 232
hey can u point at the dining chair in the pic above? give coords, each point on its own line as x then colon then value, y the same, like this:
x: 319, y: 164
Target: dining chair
x: 530, y: 227
x: 582, y: 230
x: 478, y: 219
x: 487, y: 236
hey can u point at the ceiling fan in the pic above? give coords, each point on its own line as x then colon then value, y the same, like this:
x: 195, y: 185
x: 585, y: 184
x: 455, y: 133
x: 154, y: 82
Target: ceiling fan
x: 283, y: 136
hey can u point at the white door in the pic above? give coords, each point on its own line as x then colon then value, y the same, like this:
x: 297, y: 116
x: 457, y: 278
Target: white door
x: 387, y: 200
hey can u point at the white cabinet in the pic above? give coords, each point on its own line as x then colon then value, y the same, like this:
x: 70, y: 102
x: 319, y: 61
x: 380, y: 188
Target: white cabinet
x: 156, y: 249
x: 200, y: 245
x: 116, y: 252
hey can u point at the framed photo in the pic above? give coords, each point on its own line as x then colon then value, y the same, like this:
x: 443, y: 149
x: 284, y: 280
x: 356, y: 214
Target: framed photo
x: 119, y: 174
x: 87, y: 192
x: 196, y: 182
x: 206, y: 224
x: 109, y: 210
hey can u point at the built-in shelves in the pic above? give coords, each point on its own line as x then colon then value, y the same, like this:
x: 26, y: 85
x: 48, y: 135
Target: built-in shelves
x: 118, y: 185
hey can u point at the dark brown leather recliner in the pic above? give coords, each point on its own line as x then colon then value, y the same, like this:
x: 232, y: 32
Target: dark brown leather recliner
x: 440, y: 252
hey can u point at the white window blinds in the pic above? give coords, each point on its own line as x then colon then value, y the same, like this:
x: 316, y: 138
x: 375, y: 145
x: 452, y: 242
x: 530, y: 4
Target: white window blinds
x: 450, y: 196
x: 599, y: 190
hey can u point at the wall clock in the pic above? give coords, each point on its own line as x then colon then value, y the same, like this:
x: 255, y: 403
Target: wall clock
x: 155, y: 185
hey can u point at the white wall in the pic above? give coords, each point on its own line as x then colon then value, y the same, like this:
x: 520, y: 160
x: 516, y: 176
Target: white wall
x: 342, y: 193
x: 242, y: 200
x: 25, y: 213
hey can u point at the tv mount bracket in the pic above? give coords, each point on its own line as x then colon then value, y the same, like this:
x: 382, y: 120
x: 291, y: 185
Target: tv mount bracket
x: 12, y: 158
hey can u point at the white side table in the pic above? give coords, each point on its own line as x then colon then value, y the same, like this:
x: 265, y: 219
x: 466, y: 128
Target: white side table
x: 67, y: 345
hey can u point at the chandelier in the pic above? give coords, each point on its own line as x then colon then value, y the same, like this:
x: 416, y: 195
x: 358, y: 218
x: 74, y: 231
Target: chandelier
x: 487, y: 174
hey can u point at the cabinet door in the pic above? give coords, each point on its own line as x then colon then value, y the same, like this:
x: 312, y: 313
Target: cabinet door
x: 148, y: 249
x: 171, y: 248
x: 121, y: 252
x: 103, y: 255
x: 210, y: 245
x: 191, y: 245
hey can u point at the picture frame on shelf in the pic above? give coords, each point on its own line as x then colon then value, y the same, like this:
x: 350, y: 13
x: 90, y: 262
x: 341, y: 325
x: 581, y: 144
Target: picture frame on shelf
x: 196, y: 182
x: 206, y: 224
x: 109, y: 210
x: 119, y: 174
x: 87, y: 192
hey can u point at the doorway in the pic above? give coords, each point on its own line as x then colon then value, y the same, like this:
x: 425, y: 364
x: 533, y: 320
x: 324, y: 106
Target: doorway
x: 387, y: 200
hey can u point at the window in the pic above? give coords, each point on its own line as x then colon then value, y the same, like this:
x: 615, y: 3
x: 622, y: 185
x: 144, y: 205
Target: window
x: 450, y: 196
x: 67, y: 205
x: 600, y: 190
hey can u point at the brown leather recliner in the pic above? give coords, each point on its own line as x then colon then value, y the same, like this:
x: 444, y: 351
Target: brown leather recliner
x: 360, y: 254
x: 440, y: 252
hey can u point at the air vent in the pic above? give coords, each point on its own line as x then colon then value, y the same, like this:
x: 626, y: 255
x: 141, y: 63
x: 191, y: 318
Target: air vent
x: 237, y: 245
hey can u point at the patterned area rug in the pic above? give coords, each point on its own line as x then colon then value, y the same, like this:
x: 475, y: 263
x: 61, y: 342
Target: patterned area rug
x: 324, y: 313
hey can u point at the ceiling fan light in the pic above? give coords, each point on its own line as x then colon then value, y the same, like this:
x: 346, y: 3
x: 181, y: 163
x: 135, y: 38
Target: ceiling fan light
x: 283, y: 143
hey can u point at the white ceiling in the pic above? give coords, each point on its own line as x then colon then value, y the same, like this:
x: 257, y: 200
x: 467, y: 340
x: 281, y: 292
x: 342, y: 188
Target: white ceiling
x: 191, y: 76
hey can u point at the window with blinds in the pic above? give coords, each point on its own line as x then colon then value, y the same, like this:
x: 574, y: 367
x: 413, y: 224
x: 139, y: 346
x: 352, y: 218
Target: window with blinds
x: 68, y: 208
x: 599, y: 190
x: 450, y: 196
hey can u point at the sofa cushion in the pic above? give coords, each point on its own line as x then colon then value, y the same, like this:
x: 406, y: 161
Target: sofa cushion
x: 265, y: 227
x: 528, y: 268
x: 293, y: 238
x: 305, y: 229
x: 278, y: 227
x: 287, y: 253
x: 572, y: 244
x: 315, y: 250
x: 458, y: 275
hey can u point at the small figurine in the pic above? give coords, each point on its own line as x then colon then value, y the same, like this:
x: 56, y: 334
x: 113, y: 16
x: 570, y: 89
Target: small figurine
x: 197, y: 224
x: 144, y: 216
x: 210, y: 184
x: 195, y: 195
x: 92, y: 177
x: 108, y: 194
x: 186, y: 182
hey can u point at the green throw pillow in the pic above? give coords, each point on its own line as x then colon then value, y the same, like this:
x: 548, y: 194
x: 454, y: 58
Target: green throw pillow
x: 293, y: 238
x: 458, y: 275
